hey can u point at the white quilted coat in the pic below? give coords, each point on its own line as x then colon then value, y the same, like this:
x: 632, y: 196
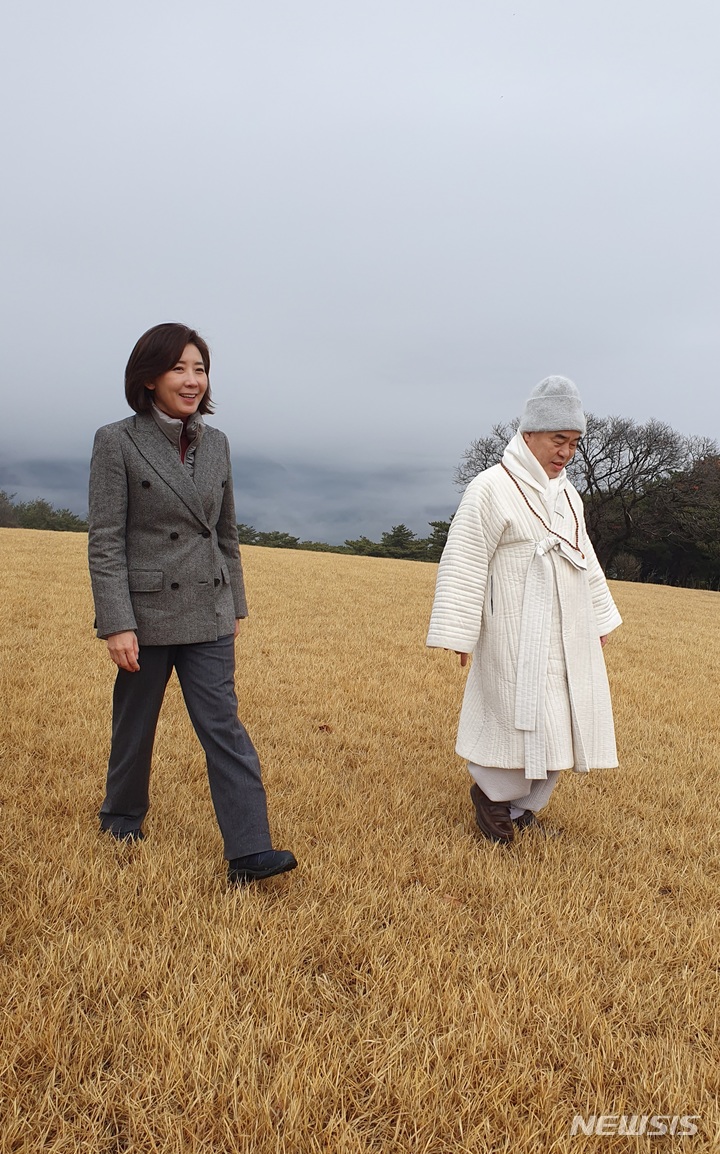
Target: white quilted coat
x: 531, y: 610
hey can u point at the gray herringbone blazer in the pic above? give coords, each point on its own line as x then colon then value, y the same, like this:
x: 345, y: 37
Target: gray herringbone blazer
x: 162, y: 546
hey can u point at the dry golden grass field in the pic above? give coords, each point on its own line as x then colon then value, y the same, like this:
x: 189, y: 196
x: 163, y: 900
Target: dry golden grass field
x: 409, y: 987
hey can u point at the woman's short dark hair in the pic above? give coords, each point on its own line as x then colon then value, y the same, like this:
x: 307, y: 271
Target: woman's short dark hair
x: 157, y: 352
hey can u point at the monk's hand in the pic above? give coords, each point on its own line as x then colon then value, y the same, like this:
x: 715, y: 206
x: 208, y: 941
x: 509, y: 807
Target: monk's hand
x: 463, y: 658
x: 603, y: 641
x: 123, y: 649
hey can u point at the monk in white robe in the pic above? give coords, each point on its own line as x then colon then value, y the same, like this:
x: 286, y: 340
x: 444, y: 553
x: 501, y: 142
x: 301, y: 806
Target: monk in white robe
x: 520, y: 588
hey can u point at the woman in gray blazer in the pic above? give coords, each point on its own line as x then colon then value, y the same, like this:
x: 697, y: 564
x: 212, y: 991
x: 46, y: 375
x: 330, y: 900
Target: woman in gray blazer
x: 168, y: 589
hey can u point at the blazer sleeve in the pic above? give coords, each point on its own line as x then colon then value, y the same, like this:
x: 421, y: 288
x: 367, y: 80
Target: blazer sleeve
x: 227, y: 538
x: 107, y: 524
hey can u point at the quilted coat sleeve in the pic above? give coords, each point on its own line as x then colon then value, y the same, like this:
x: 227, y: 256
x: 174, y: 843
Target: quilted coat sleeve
x: 606, y: 612
x: 462, y: 574
x: 106, y: 537
x: 605, y: 609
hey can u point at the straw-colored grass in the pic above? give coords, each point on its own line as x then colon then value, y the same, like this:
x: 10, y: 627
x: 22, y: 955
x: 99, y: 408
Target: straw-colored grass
x: 410, y: 987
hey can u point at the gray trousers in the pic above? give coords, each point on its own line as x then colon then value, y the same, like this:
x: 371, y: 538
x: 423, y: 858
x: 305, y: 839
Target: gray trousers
x: 206, y: 673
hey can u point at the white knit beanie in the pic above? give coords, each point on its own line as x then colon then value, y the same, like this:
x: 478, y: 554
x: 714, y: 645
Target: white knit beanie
x: 553, y: 405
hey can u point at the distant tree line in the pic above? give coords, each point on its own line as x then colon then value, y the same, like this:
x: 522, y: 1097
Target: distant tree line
x: 37, y: 514
x: 652, y: 505
x: 400, y: 543
x: 651, y: 495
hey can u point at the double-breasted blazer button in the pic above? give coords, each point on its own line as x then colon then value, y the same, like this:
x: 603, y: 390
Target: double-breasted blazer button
x: 146, y: 484
x: 174, y: 536
x: 217, y: 581
x: 175, y: 585
x: 206, y: 533
x: 223, y: 484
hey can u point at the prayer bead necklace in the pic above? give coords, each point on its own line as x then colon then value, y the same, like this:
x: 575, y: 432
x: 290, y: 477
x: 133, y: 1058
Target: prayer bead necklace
x: 576, y: 546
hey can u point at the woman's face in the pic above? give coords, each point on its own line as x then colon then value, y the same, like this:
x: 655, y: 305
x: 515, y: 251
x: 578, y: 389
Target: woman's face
x: 553, y: 450
x: 179, y: 391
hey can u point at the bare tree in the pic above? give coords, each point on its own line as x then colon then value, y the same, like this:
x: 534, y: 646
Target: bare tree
x: 618, y: 455
x: 618, y: 460
x: 485, y: 452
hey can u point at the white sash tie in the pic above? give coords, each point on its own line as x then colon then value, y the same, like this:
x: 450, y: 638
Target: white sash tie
x: 534, y: 652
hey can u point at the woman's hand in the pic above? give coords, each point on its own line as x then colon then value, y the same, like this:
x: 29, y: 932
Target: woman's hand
x: 237, y: 626
x: 123, y: 649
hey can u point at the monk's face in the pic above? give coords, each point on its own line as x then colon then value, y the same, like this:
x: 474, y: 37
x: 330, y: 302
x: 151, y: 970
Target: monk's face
x: 553, y: 450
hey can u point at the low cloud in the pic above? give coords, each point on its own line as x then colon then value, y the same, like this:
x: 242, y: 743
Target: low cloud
x: 312, y: 501
x: 63, y: 483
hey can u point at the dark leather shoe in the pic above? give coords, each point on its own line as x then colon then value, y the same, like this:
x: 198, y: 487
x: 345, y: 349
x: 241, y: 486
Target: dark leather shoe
x: 492, y: 817
x: 256, y: 866
x: 128, y: 835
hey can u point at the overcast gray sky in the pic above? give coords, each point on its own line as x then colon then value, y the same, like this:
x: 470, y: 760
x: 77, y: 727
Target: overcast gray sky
x: 390, y: 219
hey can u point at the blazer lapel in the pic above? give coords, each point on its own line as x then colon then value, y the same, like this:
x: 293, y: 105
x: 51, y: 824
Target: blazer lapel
x: 205, y: 472
x: 159, y: 453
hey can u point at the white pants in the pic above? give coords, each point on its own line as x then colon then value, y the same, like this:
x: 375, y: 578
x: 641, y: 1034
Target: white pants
x: 512, y: 785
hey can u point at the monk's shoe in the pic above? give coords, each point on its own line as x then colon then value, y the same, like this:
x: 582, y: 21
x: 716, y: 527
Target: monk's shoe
x: 492, y: 817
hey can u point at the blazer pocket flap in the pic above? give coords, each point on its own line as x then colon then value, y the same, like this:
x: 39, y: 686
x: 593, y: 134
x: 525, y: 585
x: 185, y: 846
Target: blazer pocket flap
x: 145, y: 580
